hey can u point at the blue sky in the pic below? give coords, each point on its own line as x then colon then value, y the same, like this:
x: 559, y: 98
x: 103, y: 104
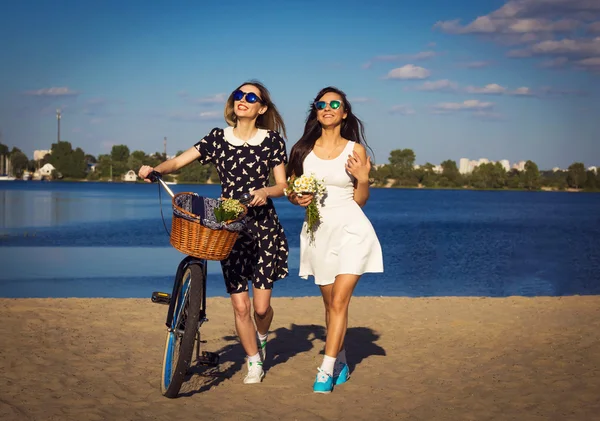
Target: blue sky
x: 512, y: 80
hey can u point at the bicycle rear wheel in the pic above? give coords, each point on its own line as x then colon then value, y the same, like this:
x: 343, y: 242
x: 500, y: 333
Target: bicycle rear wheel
x: 181, y: 335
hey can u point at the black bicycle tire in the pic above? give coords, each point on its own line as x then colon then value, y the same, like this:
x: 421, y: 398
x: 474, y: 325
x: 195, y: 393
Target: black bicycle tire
x: 194, y: 303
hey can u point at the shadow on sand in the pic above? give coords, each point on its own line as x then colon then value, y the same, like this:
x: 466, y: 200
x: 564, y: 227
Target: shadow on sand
x: 284, y: 344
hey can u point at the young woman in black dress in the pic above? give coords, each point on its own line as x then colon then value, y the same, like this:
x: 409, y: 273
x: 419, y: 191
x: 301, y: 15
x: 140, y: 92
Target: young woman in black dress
x: 243, y: 154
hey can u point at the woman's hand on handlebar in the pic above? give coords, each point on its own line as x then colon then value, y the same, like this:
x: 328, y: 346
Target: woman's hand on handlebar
x: 144, y: 172
x: 259, y: 197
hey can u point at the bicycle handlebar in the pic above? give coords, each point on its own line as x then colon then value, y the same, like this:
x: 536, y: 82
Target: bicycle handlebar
x: 155, y: 176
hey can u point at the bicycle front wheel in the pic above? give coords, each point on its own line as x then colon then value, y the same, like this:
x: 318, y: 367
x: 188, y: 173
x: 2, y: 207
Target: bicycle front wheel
x: 181, y: 336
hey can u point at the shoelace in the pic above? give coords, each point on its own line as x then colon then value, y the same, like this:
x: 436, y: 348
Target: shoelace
x: 322, y: 376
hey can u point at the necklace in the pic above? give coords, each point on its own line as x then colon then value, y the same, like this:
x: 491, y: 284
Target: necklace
x: 331, y: 151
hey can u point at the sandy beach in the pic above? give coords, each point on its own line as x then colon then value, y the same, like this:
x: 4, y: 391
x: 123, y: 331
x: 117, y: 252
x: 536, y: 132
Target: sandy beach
x: 411, y: 359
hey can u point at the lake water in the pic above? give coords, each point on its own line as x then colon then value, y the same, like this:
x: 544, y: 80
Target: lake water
x: 108, y: 240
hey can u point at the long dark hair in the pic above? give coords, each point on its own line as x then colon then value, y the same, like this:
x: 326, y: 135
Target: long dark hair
x: 270, y: 120
x: 352, y: 129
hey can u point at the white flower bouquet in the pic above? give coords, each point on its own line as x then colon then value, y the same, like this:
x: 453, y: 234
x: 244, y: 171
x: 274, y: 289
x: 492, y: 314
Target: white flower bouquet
x: 309, y: 184
x: 228, y: 210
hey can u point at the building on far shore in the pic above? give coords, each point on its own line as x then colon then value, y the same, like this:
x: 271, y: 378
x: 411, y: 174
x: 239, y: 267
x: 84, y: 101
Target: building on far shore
x: 466, y: 165
x: 519, y: 166
x: 130, y: 176
x: 38, y: 155
x: 46, y: 170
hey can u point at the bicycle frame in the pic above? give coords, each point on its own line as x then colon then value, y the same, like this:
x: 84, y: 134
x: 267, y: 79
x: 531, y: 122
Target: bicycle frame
x: 183, y: 265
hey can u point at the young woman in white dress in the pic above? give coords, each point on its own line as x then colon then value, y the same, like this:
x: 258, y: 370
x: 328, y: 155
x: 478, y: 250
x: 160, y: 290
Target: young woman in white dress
x: 345, y: 244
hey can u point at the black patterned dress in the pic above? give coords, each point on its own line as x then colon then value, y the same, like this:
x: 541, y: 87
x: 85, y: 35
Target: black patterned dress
x: 260, y: 253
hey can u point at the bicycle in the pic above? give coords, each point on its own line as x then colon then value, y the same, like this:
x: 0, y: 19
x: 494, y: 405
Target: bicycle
x: 186, y: 313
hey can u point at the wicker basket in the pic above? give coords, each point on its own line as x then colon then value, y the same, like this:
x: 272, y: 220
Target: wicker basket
x: 189, y: 236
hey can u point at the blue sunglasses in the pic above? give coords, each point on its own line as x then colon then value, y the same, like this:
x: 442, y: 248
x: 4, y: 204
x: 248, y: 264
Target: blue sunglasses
x: 251, y: 97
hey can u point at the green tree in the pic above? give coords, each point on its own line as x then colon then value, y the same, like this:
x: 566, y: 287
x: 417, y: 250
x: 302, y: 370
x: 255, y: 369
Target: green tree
x: 591, y: 181
x: 489, y: 176
x: 451, y: 173
x: 119, y: 156
x: 531, y: 176
x: 402, y: 162
x: 119, y: 153
x: 136, y: 160
x: 19, y: 162
x: 381, y: 174
x: 68, y: 162
x: 194, y: 173
x: 554, y: 179
x: 214, y: 175
x: 513, y: 179
x: 576, y: 175
x: 103, y: 167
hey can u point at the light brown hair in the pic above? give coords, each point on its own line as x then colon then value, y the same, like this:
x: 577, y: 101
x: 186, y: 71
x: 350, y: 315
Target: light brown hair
x: 270, y: 119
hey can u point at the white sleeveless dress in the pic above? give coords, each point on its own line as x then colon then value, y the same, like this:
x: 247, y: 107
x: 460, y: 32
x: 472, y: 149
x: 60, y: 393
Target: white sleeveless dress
x: 345, y: 241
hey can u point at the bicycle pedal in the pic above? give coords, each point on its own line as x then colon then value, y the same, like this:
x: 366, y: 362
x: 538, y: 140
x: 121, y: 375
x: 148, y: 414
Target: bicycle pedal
x: 161, y: 298
x: 209, y: 358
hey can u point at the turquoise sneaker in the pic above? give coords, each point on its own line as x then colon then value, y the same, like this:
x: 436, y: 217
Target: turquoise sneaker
x: 341, y: 374
x: 323, y: 383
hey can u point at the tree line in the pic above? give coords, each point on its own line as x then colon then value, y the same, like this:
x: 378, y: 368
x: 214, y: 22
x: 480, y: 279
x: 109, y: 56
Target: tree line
x: 75, y: 164
x: 399, y: 171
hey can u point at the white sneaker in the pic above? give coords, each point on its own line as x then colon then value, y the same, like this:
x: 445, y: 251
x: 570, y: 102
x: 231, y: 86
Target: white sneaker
x: 255, y: 373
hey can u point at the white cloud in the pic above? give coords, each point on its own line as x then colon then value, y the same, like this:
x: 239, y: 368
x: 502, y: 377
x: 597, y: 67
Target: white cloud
x: 489, y: 25
x: 592, y: 63
x: 423, y: 55
x: 495, y: 89
x: 408, y: 71
x: 528, y: 16
x: 594, y: 27
x: 61, y: 91
x: 492, y: 88
x: 523, y: 91
x: 470, y: 104
x: 546, y: 27
x: 438, y: 85
x: 402, y: 110
x: 211, y: 115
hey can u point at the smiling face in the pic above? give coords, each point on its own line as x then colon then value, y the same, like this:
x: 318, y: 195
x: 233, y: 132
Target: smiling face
x: 328, y: 116
x: 243, y: 108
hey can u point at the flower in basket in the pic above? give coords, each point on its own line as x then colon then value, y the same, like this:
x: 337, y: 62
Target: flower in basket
x: 228, y: 210
x: 309, y: 184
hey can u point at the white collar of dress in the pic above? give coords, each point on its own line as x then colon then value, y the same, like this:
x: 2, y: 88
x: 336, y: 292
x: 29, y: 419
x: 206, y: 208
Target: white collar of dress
x: 256, y: 140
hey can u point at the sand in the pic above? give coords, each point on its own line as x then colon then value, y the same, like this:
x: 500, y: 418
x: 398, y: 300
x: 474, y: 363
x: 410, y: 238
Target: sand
x: 411, y: 359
